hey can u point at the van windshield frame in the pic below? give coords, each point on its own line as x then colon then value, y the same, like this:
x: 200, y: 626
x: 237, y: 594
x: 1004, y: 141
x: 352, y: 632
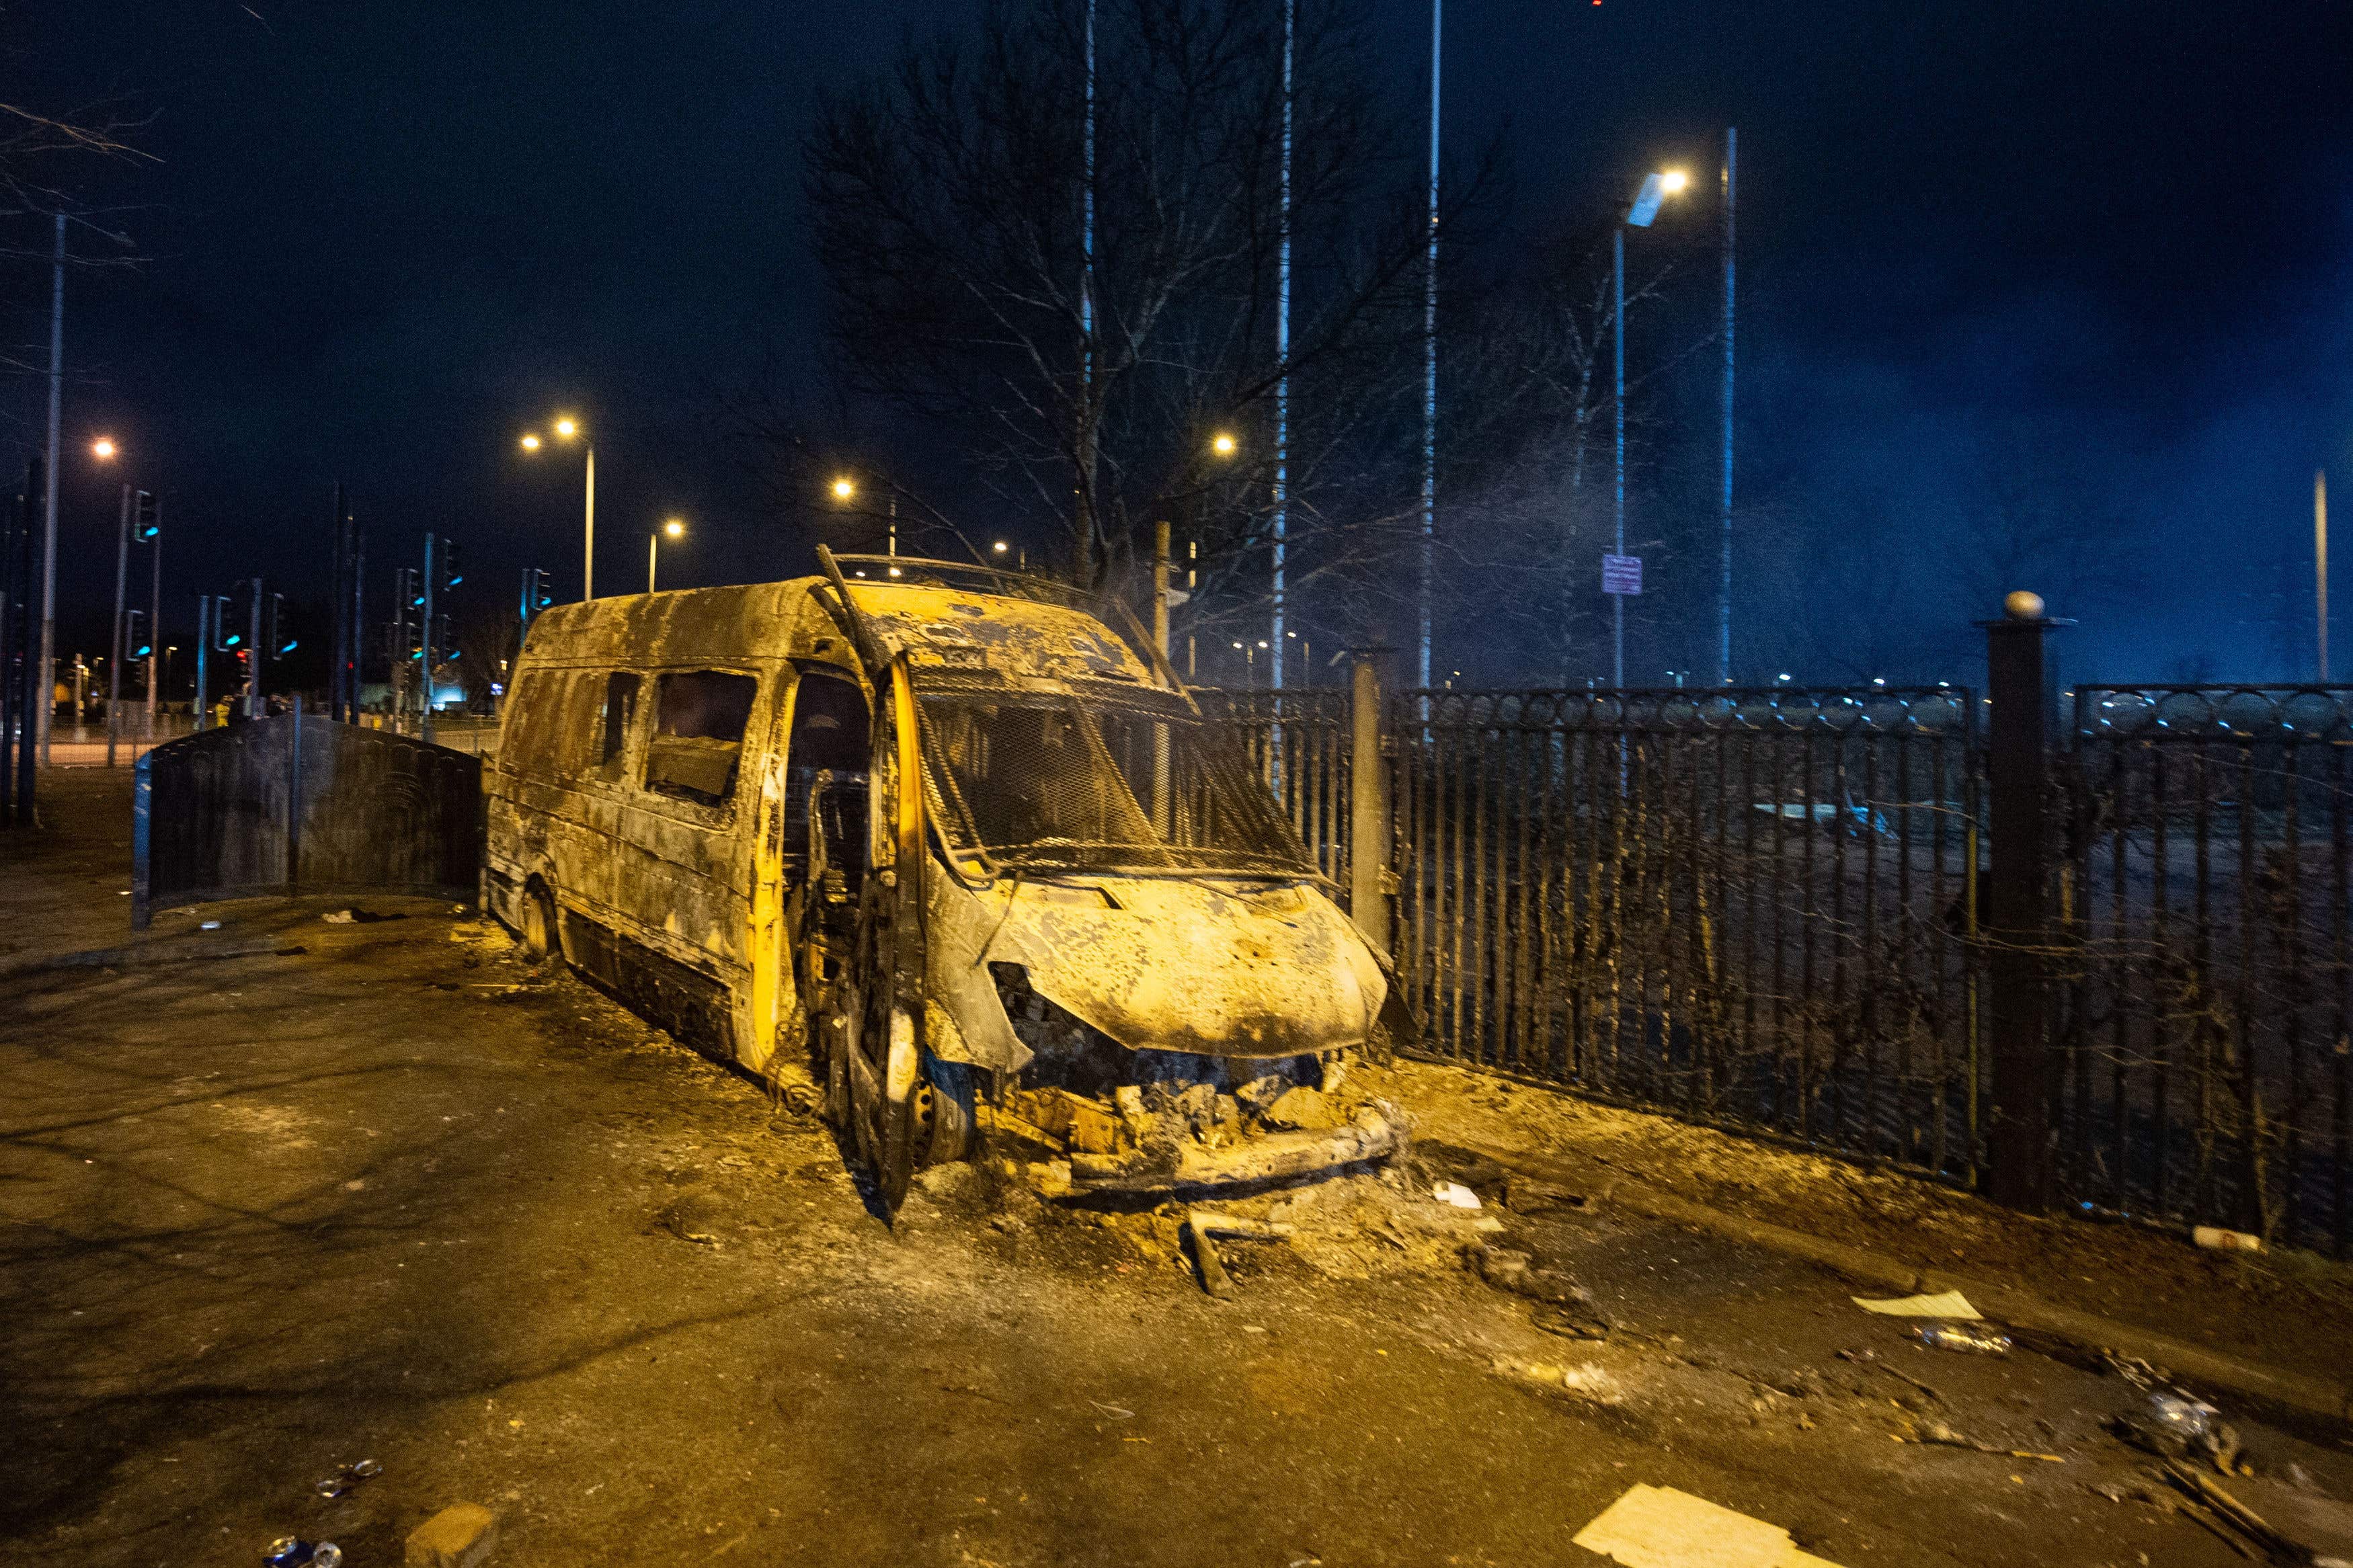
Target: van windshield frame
x: 1049, y: 781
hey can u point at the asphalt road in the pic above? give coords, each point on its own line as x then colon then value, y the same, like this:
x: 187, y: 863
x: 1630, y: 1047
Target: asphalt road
x: 396, y: 1196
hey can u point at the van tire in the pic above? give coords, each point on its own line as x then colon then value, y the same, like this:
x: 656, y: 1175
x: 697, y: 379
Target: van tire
x: 541, y: 940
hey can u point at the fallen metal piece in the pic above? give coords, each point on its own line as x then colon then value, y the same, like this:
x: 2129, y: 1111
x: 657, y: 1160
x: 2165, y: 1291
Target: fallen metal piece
x: 1378, y: 1132
x: 1200, y: 1224
x: 2210, y: 1492
x: 1937, y: 1433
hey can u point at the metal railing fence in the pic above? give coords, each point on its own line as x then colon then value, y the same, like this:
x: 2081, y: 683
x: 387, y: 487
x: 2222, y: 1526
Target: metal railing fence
x: 2206, y: 980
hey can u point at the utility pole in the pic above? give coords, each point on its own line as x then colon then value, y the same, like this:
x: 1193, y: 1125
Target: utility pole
x: 253, y: 657
x: 114, y: 650
x: 1617, y: 411
x: 49, y: 509
x: 1430, y: 363
x: 588, y: 556
x: 1084, y: 555
x: 344, y: 632
x: 199, y: 713
x: 155, y: 623
x: 1723, y: 583
x: 1282, y: 360
x: 425, y: 716
x: 2320, y: 561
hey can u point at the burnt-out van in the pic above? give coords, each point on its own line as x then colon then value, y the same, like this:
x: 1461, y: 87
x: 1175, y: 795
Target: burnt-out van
x: 937, y: 845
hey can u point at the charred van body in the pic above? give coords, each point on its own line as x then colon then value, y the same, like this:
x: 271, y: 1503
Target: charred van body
x: 939, y: 844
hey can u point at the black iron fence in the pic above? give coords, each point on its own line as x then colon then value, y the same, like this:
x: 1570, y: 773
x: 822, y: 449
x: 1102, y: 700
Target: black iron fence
x: 1299, y: 742
x: 2100, y: 957
x: 2206, y: 995
x: 1752, y: 907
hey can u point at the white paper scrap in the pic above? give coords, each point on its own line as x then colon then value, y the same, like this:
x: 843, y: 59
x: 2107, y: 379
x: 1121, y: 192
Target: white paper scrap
x: 1945, y: 1304
x: 1659, y: 1527
x: 1456, y: 1194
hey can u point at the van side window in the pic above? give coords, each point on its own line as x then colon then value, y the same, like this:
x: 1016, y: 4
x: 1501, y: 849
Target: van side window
x: 620, y: 706
x: 699, y: 719
x: 550, y: 718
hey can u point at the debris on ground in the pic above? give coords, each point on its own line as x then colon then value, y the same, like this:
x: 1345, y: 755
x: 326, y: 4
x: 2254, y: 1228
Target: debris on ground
x: 1659, y: 1527
x: 1944, y: 1304
x: 1454, y: 1194
x: 357, y: 917
x: 1526, y: 1195
x: 346, y: 1477
x: 461, y: 1536
x: 1971, y: 1339
x: 2173, y: 1425
x: 1590, y: 1382
x: 2214, y: 1239
x: 1937, y: 1433
x: 1201, y: 1225
x: 1567, y: 1308
x: 292, y: 1551
x: 2276, y: 1544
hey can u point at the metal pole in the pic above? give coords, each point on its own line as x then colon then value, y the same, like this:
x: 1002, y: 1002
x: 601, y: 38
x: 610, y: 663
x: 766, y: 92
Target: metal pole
x: 253, y: 706
x: 1368, y: 803
x: 49, y: 525
x: 114, y: 656
x: 1282, y: 360
x: 2019, y: 680
x: 1429, y: 364
x: 346, y: 631
x: 1160, y: 588
x: 588, y: 544
x: 650, y: 538
x: 1724, y: 578
x: 1617, y: 407
x: 2320, y: 561
x: 893, y: 548
x: 155, y: 625
x: 201, y: 714
x: 424, y: 675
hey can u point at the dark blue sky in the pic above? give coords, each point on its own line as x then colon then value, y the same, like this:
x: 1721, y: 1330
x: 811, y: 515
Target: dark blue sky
x: 384, y: 238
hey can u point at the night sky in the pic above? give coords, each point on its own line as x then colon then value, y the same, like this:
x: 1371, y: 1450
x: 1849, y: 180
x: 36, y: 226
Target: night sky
x: 382, y: 240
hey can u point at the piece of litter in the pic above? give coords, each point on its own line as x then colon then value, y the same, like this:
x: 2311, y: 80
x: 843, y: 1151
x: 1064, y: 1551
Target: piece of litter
x: 209, y: 925
x: 337, y: 916
x: 1659, y: 1527
x: 1455, y: 1195
x: 1944, y: 1304
x: 2214, y: 1239
x: 1114, y: 1411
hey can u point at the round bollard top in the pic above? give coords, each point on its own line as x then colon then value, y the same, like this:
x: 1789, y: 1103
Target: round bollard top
x: 2022, y: 606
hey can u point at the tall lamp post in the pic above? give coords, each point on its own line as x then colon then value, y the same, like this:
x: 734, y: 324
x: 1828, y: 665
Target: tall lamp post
x: 1655, y: 189
x: 673, y: 529
x: 568, y: 429
x: 845, y: 491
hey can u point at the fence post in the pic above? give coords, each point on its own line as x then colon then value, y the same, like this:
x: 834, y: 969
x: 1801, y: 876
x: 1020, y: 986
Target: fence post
x: 2021, y: 681
x: 1369, y: 842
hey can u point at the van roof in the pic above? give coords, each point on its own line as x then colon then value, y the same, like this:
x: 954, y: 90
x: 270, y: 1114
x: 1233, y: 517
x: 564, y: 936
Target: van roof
x: 945, y: 629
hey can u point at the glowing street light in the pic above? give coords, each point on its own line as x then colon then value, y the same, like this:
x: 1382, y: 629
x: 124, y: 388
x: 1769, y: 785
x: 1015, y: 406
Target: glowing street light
x: 104, y: 448
x: 673, y: 529
x: 845, y: 489
x: 1656, y: 189
x: 1223, y: 443
x: 568, y: 428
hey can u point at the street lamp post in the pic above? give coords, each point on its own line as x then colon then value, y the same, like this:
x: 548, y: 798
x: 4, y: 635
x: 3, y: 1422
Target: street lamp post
x: 566, y: 429
x: 114, y: 650
x: 673, y: 528
x: 845, y: 489
x: 1655, y: 189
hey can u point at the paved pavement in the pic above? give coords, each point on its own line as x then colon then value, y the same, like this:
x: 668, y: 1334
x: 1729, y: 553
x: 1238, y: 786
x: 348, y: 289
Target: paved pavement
x: 397, y: 1196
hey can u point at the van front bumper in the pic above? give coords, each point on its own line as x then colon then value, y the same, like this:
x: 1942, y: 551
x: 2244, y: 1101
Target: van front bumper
x: 1378, y: 1132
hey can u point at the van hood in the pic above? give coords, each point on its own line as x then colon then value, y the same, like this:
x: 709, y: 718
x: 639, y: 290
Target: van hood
x: 1212, y: 967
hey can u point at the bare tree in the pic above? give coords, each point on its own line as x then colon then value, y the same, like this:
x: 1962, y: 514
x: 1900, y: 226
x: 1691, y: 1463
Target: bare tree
x: 949, y: 208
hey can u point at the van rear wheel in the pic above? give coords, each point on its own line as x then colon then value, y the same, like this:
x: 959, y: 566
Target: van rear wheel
x: 540, y: 941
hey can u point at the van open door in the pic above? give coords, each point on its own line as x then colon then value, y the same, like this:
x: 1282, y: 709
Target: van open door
x: 872, y: 1029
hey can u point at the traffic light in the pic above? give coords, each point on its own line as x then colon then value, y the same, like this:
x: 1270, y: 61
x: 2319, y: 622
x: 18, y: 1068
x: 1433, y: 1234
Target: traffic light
x: 536, y: 595
x: 279, y: 632
x: 136, y: 642
x: 237, y: 610
x: 452, y: 573
x: 146, y: 516
x: 412, y: 587
x: 227, y: 635
x: 445, y: 639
